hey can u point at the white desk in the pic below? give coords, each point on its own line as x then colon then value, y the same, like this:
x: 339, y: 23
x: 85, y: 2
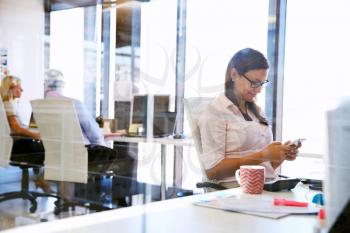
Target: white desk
x: 163, y: 142
x: 180, y: 216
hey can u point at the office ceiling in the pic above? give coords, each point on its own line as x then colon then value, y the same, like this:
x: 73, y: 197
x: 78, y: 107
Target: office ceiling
x: 54, y: 5
x: 128, y: 23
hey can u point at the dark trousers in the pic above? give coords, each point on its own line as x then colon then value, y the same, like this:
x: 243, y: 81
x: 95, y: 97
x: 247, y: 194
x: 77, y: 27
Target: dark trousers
x: 100, y: 158
x: 29, y: 151
x: 103, y: 159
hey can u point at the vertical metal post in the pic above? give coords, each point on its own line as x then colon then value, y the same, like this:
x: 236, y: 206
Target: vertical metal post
x: 135, y: 45
x: 47, y: 5
x: 90, y: 52
x: 163, y: 172
x: 108, y: 65
x: 105, y: 63
x: 180, y: 87
x: 275, y: 54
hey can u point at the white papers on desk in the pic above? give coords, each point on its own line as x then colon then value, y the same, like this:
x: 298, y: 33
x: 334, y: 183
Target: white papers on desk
x: 263, y: 207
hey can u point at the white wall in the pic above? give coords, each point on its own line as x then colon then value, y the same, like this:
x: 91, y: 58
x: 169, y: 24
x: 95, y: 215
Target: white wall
x: 22, y: 34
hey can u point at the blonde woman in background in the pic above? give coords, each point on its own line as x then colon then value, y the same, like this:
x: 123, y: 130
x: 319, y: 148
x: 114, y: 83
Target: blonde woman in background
x: 27, y: 146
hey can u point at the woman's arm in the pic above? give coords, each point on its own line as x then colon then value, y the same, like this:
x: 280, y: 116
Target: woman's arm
x: 18, y: 129
x: 291, y: 152
x: 275, y: 153
x: 228, y: 166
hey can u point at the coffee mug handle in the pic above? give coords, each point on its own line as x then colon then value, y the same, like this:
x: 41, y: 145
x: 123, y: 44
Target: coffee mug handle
x: 237, y: 176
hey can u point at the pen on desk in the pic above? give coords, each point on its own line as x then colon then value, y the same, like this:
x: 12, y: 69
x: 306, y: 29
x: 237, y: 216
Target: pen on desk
x: 283, y: 176
x: 320, y: 225
x: 284, y: 202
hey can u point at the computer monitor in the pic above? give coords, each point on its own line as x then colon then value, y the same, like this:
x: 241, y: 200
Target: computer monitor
x: 163, y: 123
x: 337, y: 164
x: 153, y: 113
x: 163, y: 119
x: 139, y: 110
x: 161, y: 103
x: 122, y: 110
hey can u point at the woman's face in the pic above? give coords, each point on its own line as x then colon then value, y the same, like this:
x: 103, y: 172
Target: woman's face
x: 248, y: 85
x: 16, y: 91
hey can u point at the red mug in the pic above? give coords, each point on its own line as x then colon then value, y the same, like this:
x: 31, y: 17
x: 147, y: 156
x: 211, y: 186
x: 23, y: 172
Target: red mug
x: 251, y: 178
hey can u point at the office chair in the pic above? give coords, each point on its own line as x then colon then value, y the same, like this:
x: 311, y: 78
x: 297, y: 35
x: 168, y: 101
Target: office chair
x: 6, y: 143
x: 194, y: 107
x: 66, y: 155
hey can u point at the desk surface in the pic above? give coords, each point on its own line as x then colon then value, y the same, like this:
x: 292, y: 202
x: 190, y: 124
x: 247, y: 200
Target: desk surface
x: 162, y: 140
x: 180, y: 215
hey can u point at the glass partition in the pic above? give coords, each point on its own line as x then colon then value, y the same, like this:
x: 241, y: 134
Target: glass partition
x: 145, y: 66
x: 74, y: 43
x: 111, y: 51
x: 315, y: 78
x: 212, y: 37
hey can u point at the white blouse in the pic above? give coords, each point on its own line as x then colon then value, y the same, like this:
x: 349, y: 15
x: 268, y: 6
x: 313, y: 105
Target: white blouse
x: 11, y: 108
x: 226, y: 134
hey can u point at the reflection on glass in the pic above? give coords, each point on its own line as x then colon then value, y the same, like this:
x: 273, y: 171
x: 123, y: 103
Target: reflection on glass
x: 214, y: 36
x: 73, y: 42
x: 315, y: 77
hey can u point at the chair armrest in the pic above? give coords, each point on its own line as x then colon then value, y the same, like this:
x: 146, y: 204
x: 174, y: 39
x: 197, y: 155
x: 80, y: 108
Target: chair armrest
x: 210, y: 185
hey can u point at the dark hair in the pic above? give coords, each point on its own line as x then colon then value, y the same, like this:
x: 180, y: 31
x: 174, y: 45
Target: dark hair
x: 243, y: 61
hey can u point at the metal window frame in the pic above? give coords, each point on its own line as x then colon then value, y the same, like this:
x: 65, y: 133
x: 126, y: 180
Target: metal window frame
x: 180, y: 88
x: 276, y: 54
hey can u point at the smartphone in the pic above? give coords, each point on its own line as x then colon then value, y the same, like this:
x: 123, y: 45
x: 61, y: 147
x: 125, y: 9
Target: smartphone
x: 298, y: 141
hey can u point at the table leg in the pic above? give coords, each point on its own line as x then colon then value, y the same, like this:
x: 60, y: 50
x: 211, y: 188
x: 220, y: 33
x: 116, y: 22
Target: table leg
x: 178, y: 161
x: 163, y: 173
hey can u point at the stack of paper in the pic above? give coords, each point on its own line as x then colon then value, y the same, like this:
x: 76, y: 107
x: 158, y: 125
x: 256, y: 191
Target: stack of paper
x: 255, y: 206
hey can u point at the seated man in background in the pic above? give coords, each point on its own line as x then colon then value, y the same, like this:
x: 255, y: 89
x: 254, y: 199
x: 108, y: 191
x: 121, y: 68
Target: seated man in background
x: 100, y: 158
x: 54, y: 85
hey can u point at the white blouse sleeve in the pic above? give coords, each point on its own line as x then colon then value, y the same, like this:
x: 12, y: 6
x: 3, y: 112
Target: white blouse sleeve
x: 213, y: 144
x: 10, y: 108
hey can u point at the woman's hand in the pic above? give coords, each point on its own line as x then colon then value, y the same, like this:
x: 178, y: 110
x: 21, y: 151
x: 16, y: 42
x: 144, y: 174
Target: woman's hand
x: 276, y: 152
x: 17, y: 128
x: 36, y: 135
x: 292, y: 151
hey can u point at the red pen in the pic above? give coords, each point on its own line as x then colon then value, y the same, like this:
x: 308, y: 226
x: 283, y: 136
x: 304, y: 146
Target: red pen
x: 284, y: 202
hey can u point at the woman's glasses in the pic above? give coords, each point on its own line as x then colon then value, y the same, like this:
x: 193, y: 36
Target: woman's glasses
x: 255, y: 84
